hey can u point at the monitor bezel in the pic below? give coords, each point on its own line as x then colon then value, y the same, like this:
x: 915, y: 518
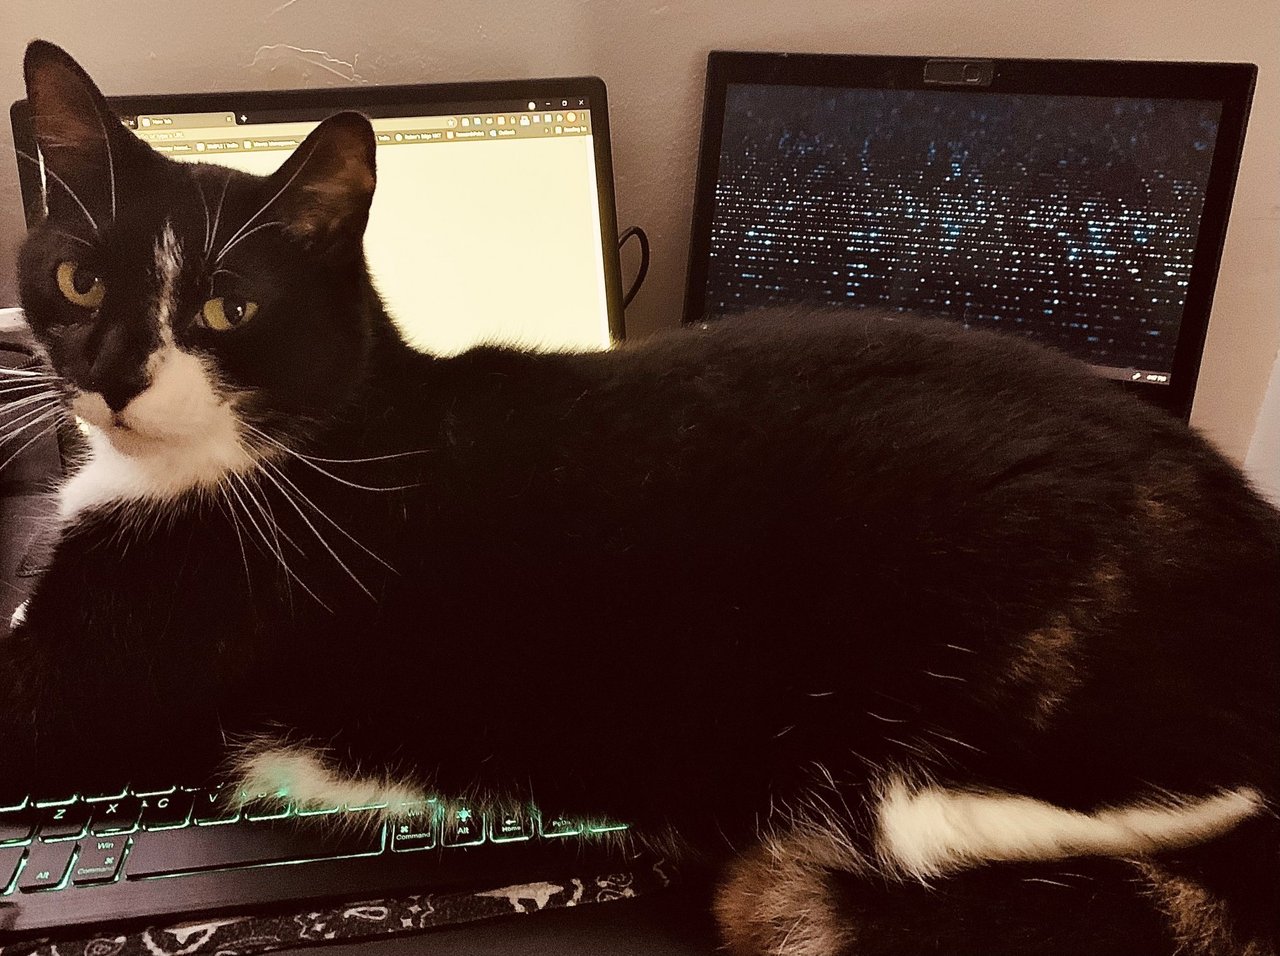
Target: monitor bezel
x: 375, y: 101
x: 1231, y: 84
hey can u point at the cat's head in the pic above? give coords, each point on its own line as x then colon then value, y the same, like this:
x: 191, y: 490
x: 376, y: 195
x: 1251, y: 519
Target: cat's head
x: 184, y: 306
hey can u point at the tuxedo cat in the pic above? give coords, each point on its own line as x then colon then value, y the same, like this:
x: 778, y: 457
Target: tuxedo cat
x: 934, y: 640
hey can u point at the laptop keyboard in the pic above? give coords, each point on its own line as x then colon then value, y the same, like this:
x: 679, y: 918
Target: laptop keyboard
x: 78, y: 846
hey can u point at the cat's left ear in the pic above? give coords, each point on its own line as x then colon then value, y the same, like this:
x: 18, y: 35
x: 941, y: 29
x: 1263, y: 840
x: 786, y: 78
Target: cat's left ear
x: 326, y: 185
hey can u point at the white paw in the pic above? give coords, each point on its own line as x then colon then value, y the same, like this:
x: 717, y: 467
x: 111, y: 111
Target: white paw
x: 19, y: 615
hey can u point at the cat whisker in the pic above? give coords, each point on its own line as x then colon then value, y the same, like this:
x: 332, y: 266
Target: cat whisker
x: 217, y: 216
x: 26, y: 372
x: 328, y: 474
x: 235, y: 526
x: 319, y: 537
x: 963, y: 680
x: 27, y: 444
x: 275, y: 550
x: 321, y: 512
x: 204, y: 204
x: 18, y: 388
x: 887, y: 720
x: 43, y: 405
x: 231, y: 486
x: 63, y: 183
x: 218, y: 271
x: 226, y: 250
x: 73, y: 238
x: 267, y: 205
x: 958, y: 743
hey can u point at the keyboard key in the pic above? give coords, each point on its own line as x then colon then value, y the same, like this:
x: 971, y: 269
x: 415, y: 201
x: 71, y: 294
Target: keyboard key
x: 10, y: 857
x: 560, y: 826
x: 511, y: 827
x: 193, y: 849
x: 66, y: 821
x: 115, y: 816
x: 414, y: 827
x: 46, y: 867
x: 99, y: 860
x: 265, y: 806
x: 16, y: 826
x: 214, y: 807
x: 167, y: 811
x: 105, y: 793
x: 462, y: 826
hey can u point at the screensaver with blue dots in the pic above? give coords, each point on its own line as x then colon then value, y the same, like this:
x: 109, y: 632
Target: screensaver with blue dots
x: 1072, y: 220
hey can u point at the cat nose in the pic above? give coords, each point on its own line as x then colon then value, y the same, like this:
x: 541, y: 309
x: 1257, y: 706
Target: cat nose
x: 117, y: 393
x: 115, y: 369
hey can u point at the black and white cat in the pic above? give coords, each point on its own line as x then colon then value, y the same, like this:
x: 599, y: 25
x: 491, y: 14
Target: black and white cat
x: 937, y: 641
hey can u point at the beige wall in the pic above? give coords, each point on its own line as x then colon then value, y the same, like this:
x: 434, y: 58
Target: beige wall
x: 652, y: 56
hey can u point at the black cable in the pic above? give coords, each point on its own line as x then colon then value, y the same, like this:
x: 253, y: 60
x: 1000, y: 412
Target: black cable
x: 644, y: 261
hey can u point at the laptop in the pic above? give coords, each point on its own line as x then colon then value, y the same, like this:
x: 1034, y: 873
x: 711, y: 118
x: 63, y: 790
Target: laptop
x: 1082, y: 204
x: 493, y: 222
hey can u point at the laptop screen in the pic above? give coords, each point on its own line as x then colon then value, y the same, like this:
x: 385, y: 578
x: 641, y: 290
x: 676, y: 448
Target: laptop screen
x: 487, y: 223
x: 1069, y: 218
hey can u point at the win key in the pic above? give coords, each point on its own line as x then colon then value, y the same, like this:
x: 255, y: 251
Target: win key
x: 99, y: 860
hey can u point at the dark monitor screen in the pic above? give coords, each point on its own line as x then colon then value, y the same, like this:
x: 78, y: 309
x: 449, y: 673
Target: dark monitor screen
x: 1069, y: 218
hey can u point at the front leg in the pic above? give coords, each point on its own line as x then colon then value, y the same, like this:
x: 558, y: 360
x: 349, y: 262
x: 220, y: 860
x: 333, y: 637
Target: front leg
x: 80, y: 715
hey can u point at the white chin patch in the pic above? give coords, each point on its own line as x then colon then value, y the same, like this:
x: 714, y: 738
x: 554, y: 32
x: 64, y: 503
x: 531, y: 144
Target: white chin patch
x: 178, y: 435
x: 930, y: 831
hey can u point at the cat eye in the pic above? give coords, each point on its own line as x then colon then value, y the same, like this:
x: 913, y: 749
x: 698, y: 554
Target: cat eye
x: 80, y: 286
x: 226, y: 312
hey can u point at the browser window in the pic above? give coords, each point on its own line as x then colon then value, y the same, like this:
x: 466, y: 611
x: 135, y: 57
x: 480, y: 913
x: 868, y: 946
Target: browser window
x: 485, y: 227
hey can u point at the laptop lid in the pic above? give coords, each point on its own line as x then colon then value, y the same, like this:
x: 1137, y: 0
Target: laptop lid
x: 493, y: 219
x: 1079, y: 203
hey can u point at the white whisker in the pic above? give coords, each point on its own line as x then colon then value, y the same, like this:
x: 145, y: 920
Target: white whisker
x: 328, y: 474
x: 45, y: 406
x: 226, y: 250
x: 28, y: 443
x: 16, y: 388
x: 204, y: 204
x: 320, y: 511
x: 319, y: 537
x: 63, y: 183
x: 67, y: 235
x: 959, y: 743
x: 275, y: 550
x: 217, y: 216
x: 280, y: 192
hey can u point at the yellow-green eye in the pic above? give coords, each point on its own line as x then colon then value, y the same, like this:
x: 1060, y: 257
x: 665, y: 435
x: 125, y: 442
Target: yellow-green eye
x: 80, y: 286
x: 228, y: 312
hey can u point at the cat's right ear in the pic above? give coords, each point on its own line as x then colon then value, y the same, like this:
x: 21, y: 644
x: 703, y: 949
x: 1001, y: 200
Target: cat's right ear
x: 83, y: 143
x: 324, y: 189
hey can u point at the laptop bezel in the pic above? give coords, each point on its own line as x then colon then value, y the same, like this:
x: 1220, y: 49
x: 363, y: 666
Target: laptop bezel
x: 439, y: 98
x: 1231, y: 84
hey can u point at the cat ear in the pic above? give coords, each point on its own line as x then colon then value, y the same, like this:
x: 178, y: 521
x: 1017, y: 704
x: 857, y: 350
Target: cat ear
x: 326, y: 185
x: 83, y: 143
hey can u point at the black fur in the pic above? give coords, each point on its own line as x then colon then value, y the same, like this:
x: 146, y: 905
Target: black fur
x: 675, y: 584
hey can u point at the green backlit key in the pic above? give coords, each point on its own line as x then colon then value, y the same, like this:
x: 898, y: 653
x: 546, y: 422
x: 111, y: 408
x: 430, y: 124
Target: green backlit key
x: 414, y: 827
x: 511, y: 827
x: 214, y: 807
x: 462, y: 826
x: 47, y: 867
x: 66, y: 821
x: 99, y: 860
x: 167, y: 811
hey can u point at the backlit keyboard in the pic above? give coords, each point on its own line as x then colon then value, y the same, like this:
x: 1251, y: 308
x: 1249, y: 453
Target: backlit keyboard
x: 144, y: 854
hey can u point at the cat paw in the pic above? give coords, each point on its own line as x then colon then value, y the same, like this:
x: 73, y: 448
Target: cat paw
x: 19, y: 615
